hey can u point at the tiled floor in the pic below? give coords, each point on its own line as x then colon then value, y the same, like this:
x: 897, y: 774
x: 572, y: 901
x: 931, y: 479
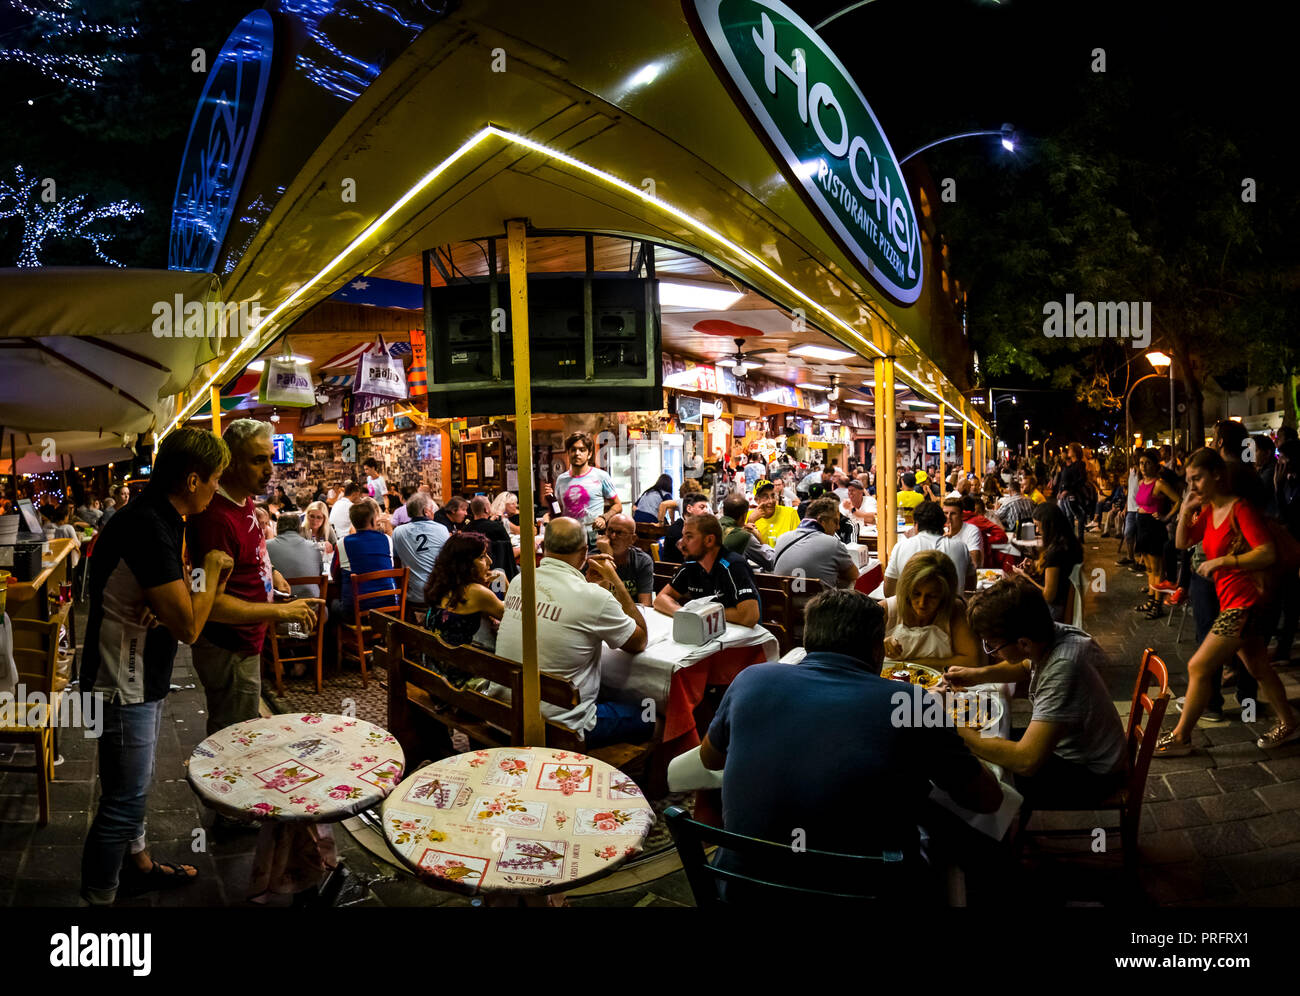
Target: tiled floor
x: 1221, y: 827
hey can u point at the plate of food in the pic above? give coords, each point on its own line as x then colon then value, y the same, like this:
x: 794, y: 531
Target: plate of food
x: 979, y: 711
x: 913, y: 674
x: 985, y: 576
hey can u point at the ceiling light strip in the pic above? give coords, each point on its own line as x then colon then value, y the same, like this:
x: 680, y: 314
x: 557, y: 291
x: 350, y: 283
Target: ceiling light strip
x: 250, y: 341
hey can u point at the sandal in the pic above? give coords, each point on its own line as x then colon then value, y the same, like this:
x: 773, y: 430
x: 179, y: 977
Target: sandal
x: 1145, y: 606
x: 1167, y: 746
x: 1155, y: 612
x: 161, y: 875
x: 1278, y: 736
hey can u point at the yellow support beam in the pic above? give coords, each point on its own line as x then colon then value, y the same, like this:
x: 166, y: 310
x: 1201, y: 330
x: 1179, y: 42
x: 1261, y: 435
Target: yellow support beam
x: 887, y: 532
x: 214, y: 398
x: 943, y: 487
x: 516, y: 239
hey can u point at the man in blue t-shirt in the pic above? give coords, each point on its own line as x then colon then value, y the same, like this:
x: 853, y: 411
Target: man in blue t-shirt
x: 815, y: 746
x: 369, y: 549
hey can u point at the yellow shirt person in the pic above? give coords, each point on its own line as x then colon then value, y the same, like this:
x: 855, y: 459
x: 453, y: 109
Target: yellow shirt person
x: 770, y: 519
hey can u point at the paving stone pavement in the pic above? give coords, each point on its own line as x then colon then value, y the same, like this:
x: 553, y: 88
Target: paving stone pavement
x: 1219, y: 827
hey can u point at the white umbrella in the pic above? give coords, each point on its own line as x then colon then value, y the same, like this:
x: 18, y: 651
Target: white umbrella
x: 99, y: 350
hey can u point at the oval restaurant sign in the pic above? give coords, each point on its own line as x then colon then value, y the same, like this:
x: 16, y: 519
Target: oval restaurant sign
x: 823, y: 130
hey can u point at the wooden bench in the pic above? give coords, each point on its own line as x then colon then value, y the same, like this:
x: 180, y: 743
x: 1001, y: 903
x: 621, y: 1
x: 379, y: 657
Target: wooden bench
x: 648, y: 535
x: 784, y: 598
x: 416, y: 690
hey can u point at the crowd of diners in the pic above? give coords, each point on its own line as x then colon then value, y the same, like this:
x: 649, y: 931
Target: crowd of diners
x: 207, y: 506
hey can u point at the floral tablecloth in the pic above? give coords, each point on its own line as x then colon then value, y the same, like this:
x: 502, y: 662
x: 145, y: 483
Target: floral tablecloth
x: 296, y: 768
x: 516, y: 819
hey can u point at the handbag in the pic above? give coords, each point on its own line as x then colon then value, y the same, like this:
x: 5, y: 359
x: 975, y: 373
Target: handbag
x: 286, y: 382
x: 380, y: 374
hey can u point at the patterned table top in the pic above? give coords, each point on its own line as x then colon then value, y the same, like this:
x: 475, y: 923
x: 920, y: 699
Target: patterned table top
x: 516, y: 819
x: 296, y: 768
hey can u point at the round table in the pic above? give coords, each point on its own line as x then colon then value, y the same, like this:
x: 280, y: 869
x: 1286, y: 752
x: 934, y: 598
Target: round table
x: 522, y: 820
x: 292, y: 772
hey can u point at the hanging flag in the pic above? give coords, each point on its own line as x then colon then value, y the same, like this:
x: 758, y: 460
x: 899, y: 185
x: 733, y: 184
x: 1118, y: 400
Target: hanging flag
x: 346, y: 360
x: 337, y: 380
x: 417, y: 380
x: 380, y: 293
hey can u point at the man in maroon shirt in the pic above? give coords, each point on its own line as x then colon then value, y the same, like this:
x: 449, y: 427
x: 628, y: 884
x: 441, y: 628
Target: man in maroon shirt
x: 227, y: 656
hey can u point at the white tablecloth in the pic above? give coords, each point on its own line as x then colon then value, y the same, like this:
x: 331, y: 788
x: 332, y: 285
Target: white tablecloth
x: 633, y: 677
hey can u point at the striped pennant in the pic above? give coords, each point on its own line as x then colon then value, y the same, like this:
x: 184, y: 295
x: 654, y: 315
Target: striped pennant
x: 348, y: 358
x: 338, y: 380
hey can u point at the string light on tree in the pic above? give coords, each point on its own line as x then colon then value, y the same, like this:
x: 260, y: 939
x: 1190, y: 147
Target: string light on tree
x: 54, y: 23
x: 70, y: 218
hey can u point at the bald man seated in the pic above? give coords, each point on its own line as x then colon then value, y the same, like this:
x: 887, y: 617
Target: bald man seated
x: 634, y: 567
x: 574, y: 618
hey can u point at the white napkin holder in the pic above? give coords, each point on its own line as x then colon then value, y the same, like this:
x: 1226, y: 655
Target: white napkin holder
x: 699, y: 621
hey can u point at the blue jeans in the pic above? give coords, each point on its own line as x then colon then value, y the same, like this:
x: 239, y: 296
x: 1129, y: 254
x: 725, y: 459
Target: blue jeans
x: 126, y: 767
x: 618, y: 723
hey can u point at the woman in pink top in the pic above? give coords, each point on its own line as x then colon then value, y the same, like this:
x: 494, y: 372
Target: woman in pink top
x: 1157, y: 506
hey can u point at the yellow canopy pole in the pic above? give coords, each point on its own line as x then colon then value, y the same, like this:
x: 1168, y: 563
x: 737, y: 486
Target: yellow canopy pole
x: 215, y: 402
x: 965, y: 452
x: 882, y: 487
x: 943, y: 488
x: 534, y: 728
x: 889, y: 534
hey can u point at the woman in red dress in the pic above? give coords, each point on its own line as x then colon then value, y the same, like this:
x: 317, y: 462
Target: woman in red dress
x: 1238, y: 547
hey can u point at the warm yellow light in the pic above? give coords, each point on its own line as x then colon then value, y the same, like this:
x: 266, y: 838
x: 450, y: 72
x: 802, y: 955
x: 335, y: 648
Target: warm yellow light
x: 1158, y: 359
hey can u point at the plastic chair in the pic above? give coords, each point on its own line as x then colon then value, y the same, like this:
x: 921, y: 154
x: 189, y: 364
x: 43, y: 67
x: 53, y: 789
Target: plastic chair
x: 361, y: 633
x: 36, y: 670
x: 1141, y: 743
x: 277, y: 660
x: 772, y: 870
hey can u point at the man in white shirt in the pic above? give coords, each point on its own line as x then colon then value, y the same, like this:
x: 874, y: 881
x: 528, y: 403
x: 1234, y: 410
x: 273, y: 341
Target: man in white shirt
x: 929, y: 519
x: 859, y: 505
x: 574, y: 618
x: 375, y: 483
x: 1130, y: 516
x: 340, y: 517
x: 967, y: 532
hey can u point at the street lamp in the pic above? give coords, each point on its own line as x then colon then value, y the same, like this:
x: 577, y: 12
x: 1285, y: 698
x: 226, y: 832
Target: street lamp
x: 1007, y: 133
x: 1161, y: 360
x: 995, y: 399
x: 1026, y: 439
x: 1157, y: 360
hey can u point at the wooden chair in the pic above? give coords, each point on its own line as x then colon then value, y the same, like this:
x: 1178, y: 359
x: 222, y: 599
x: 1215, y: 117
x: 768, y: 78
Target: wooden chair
x: 1141, y: 743
x: 318, y: 639
x: 414, y: 688
x: 664, y: 571
x: 783, y: 599
x: 772, y: 869
x: 360, y: 632
x: 36, y: 668
x: 648, y: 535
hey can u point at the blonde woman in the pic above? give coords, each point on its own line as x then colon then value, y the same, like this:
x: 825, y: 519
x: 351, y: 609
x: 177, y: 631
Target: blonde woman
x: 316, y: 527
x: 926, y: 621
x: 505, y: 507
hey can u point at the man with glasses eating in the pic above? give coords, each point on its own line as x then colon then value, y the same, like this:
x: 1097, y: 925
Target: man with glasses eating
x: 1073, y: 751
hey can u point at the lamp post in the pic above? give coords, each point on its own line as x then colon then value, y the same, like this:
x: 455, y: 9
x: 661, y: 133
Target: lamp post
x: 1026, y: 439
x: 1161, y: 360
x: 1158, y: 360
x: 1007, y: 133
x: 993, y: 397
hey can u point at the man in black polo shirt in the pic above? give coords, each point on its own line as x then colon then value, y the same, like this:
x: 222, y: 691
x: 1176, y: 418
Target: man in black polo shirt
x: 692, y: 504
x: 141, y: 602
x: 710, y: 570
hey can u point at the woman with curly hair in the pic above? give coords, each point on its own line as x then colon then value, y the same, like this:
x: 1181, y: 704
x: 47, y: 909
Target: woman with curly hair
x: 458, y: 595
x: 1060, y: 551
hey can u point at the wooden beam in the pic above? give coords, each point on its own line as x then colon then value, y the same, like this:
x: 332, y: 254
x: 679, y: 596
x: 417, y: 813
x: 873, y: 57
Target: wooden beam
x: 214, y: 399
x: 534, y: 726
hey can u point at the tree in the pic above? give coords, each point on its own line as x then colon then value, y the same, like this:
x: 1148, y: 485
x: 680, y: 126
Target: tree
x: 46, y: 220
x: 1118, y: 205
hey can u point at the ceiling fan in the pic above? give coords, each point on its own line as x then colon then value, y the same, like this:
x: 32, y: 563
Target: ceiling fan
x: 740, y: 362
